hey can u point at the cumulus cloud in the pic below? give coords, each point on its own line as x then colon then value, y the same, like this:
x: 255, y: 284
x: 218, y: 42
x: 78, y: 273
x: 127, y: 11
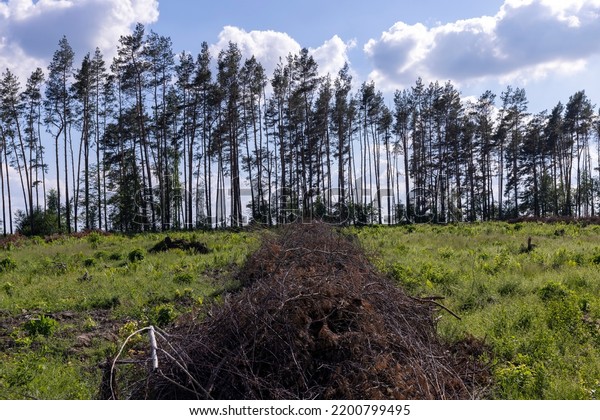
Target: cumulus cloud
x: 270, y: 46
x: 526, y: 39
x: 30, y: 30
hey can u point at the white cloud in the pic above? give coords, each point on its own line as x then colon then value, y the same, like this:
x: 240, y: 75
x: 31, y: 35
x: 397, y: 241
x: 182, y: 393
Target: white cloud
x: 332, y: 55
x: 526, y: 40
x: 30, y: 30
x: 270, y: 46
x: 266, y: 46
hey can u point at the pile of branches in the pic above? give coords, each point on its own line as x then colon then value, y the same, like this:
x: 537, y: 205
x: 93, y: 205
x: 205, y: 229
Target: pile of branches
x: 183, y: 244
x: 314, y: 320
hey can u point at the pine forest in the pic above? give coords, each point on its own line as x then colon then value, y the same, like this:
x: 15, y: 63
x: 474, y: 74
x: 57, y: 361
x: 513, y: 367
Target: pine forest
x: 158, y: 141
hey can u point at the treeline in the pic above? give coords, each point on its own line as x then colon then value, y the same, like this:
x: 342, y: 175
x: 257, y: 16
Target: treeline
x: 156, y: 141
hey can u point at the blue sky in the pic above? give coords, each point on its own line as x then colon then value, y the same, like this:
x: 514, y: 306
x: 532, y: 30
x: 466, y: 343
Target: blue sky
x: 549, y: 47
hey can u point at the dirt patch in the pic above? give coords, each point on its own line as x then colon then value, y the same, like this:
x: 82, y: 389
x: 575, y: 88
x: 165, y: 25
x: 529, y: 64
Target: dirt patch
x: 315, y: 320
x: 168, y: 243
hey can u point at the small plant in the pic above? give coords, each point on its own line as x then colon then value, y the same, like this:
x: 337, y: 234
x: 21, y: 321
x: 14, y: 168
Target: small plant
x: 89, y: 262
x: 115, y: 256
x: 42, y: 326
x: 94, y: 239
x: 7, y: 264
x: 164, y: 314
x: 553, y: 291
x: 508, y: 288
x: 183, y: 278
x: 105, y: 303
x: 8, y: 288
x: 136, y: 255
x: 89, y: 324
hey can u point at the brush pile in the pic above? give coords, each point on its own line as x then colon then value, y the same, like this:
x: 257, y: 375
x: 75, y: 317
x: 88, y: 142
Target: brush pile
x: 314, y: 320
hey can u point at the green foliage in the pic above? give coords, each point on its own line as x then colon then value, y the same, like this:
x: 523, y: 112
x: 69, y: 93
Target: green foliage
x: 553, y: 291
x: 41, y: 326
x: 183, y: 278
x: 136, y: 255
x: 517, y: 382
x: 94, y: 239
x: 541, y: 325
x: 115, y: 256
x: 163, y: 315
x: 39, y: 223
x: 7, y: 264
x: 89, y: 262
x: 120, y: 296
x: 8, y: 288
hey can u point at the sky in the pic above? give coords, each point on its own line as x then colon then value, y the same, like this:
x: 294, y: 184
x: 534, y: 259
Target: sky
x: 548, y: 47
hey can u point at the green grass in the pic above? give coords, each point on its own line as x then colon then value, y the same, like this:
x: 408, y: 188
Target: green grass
x: 538, y: 311
x: 66, y: 306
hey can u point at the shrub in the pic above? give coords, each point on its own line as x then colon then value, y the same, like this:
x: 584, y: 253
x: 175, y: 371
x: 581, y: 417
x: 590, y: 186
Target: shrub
x: 553, y: 291
x: 38, y: 223
x: 7, y: 264
x: 136, y: 255
x: 183, y: 278
x: 115, y: 256
x: 105, y: 303
x: 42, y: 326
x: 508, y: 288
x: 94, y: 239
x: 89, y: 262
x: 8, y: 288
x: 163, y: 314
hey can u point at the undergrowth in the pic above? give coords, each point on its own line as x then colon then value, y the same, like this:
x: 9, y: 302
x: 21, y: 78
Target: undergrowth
x: 538, y: 309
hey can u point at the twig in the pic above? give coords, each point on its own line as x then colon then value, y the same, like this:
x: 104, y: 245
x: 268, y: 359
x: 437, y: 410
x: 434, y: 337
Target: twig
x: 431, y: 300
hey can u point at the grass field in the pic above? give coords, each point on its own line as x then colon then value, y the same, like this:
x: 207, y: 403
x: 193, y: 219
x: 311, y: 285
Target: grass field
x: 67, y: 305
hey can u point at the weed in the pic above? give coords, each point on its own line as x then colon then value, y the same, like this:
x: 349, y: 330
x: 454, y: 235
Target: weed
x: 553, y: 291
x: 163, y: 314
x: 89, y: 324
x: 7, y: 264
x: 115, y: 256
x: 89, y: 262
x: 136, y: 255
x: 8, y: 288
x: 106, y: 303
x: 42, y: 326
x: 508, y: 288
x: 183, y: 278
x: 516, y: 382
x: 94, y: 239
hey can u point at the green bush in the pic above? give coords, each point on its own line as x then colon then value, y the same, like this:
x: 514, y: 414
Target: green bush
x: 89, y: 262
x: 94, y: 239
x: 42, y: 326
x: 136, y: 255
x: 183, y: 278
x: 163, y: 314
x: 105, y: 303
x: 115, y: 256
x: 8, y: 288
x: 7, y: 264
x: 553, y: 291
x: 39, y: 223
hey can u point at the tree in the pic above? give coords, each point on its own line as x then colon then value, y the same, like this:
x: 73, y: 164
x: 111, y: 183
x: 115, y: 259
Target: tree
x: 342, y: 117
x: 32, y: 104
x: 578, y: 117
x: 59, y: 115
x: 131, y: 69
x: 11, y: 111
